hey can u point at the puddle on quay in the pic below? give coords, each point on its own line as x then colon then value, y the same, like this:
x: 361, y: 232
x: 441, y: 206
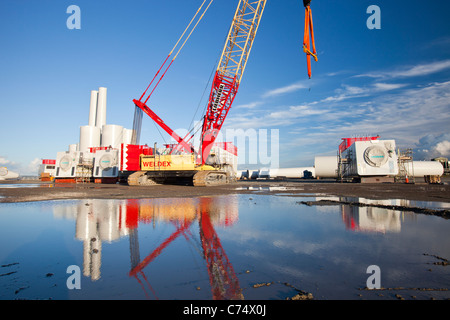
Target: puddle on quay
x: 435, y: 205
x: 270, y: 188
x: 255, y: 247
x: 26, y: 185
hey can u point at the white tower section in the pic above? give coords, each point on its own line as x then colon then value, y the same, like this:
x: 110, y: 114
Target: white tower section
x: 101, y: 108
x: 93, y: 108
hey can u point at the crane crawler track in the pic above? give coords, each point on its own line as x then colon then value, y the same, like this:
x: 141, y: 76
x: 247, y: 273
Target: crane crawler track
x: 140, y: 178
x: 210, y: 178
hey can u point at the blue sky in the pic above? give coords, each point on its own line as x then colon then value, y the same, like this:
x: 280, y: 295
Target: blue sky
x: 394, y: 81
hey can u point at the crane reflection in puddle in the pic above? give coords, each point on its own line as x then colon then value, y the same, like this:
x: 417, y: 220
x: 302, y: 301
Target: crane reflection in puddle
x: 108, y: 220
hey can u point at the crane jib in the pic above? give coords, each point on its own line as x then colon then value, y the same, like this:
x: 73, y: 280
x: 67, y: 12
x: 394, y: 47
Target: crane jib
x: 218, y: 96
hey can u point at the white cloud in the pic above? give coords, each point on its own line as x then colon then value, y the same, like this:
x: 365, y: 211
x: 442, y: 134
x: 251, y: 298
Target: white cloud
x: 423, y: 69
x: 350, y: 92
x: 432, y: 146
x: 405, y: 115
x: 250, y: 105
x: 439, y: 43
x: 403, y: 111
x: 4, y: 161
x: 347, y: 92
x: 286, y: 89
x: 33, y: 166
x: 295, y: 112
x: 283, y: 116
x: 388, y: 86
x: 412, y: 71
x: 443, y: 148
x: 30, y: 168
x: 411, y: 113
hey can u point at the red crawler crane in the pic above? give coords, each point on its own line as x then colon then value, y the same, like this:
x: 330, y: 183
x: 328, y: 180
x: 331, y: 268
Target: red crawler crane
x: 224, y: 88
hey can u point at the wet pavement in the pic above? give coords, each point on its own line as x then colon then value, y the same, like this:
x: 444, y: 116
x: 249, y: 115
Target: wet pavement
x: 251, y: 246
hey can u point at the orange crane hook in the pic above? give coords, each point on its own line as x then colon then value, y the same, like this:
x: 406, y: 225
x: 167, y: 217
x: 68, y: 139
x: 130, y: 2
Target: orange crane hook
x: 306, y: 39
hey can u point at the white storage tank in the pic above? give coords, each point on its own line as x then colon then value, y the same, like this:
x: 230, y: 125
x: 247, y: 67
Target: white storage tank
x: 425, y: 168
x: 89, y: 138
x: 127, y: 134
x: 112, y: 136
x: 73, y: 147
x: 326, y: 167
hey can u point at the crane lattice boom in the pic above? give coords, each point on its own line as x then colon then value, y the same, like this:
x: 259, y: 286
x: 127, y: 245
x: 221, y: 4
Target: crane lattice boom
x: 230, y: 70
x: 228, y: 74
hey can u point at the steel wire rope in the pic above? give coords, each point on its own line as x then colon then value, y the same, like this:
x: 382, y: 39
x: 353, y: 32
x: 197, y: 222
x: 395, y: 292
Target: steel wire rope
x: 203, y: 95
x: 191, y: 126
x: 179, y: 50
x: 176, y: 44
x: 137, y: 122
x: 159, y: 131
